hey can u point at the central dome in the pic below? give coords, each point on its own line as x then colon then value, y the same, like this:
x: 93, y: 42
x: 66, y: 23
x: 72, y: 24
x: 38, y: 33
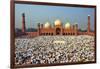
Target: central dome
x: 57, y: 22
x: 67, y: 25
x: 47, y: 25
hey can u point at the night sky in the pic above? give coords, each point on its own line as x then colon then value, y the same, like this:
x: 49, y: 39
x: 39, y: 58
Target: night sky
x: 42, y: 13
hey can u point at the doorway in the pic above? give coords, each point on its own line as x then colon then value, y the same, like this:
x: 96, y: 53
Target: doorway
x: 58, y: 30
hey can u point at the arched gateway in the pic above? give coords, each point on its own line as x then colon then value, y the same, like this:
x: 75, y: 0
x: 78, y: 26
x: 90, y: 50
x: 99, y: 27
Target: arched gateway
x: 58, y: 31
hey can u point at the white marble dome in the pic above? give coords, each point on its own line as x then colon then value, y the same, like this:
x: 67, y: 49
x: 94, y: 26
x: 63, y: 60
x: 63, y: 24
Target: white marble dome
x: 47, y: 25
x: 67, y: 25
x: 57, y: 22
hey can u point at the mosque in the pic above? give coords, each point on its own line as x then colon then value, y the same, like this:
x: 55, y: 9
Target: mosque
x: 58, y: 29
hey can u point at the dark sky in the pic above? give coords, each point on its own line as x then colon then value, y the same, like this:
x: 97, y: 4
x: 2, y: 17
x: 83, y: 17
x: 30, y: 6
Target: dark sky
x: 41, y: 14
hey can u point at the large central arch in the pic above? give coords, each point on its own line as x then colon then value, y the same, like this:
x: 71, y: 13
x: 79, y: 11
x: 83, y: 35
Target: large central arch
x: 58, y: 31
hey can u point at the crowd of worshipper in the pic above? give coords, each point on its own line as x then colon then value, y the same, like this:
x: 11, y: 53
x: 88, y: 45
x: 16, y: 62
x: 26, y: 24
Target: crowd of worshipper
x: 43, y: 50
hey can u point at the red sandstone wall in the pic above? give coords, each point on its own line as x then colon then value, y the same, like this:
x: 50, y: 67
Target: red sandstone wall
x: 86, y: 33
x: 91, y: 33
x: 68, y: 31
x: 31, y: 34
x: 44, y: 30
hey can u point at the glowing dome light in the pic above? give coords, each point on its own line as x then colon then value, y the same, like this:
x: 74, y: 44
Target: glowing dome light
x: 67, y: 25
x: 57, y: 22
x: 47, y: 25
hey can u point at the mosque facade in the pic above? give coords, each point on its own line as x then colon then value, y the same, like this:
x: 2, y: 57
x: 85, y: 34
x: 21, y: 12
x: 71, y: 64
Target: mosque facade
x: 58, y: 29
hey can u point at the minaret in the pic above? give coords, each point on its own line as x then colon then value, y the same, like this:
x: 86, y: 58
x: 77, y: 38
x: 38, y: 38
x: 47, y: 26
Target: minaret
x: 76, y: 29
x: 73, y: 27
x: 88, y: 29
x: 23, y: 23
x: 38, y: 29
x: 41, y: 25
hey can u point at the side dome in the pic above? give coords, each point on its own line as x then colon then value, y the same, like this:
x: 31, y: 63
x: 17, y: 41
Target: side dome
x: 57, y: 22
x: 67, y: 25
x: 47, y: 25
